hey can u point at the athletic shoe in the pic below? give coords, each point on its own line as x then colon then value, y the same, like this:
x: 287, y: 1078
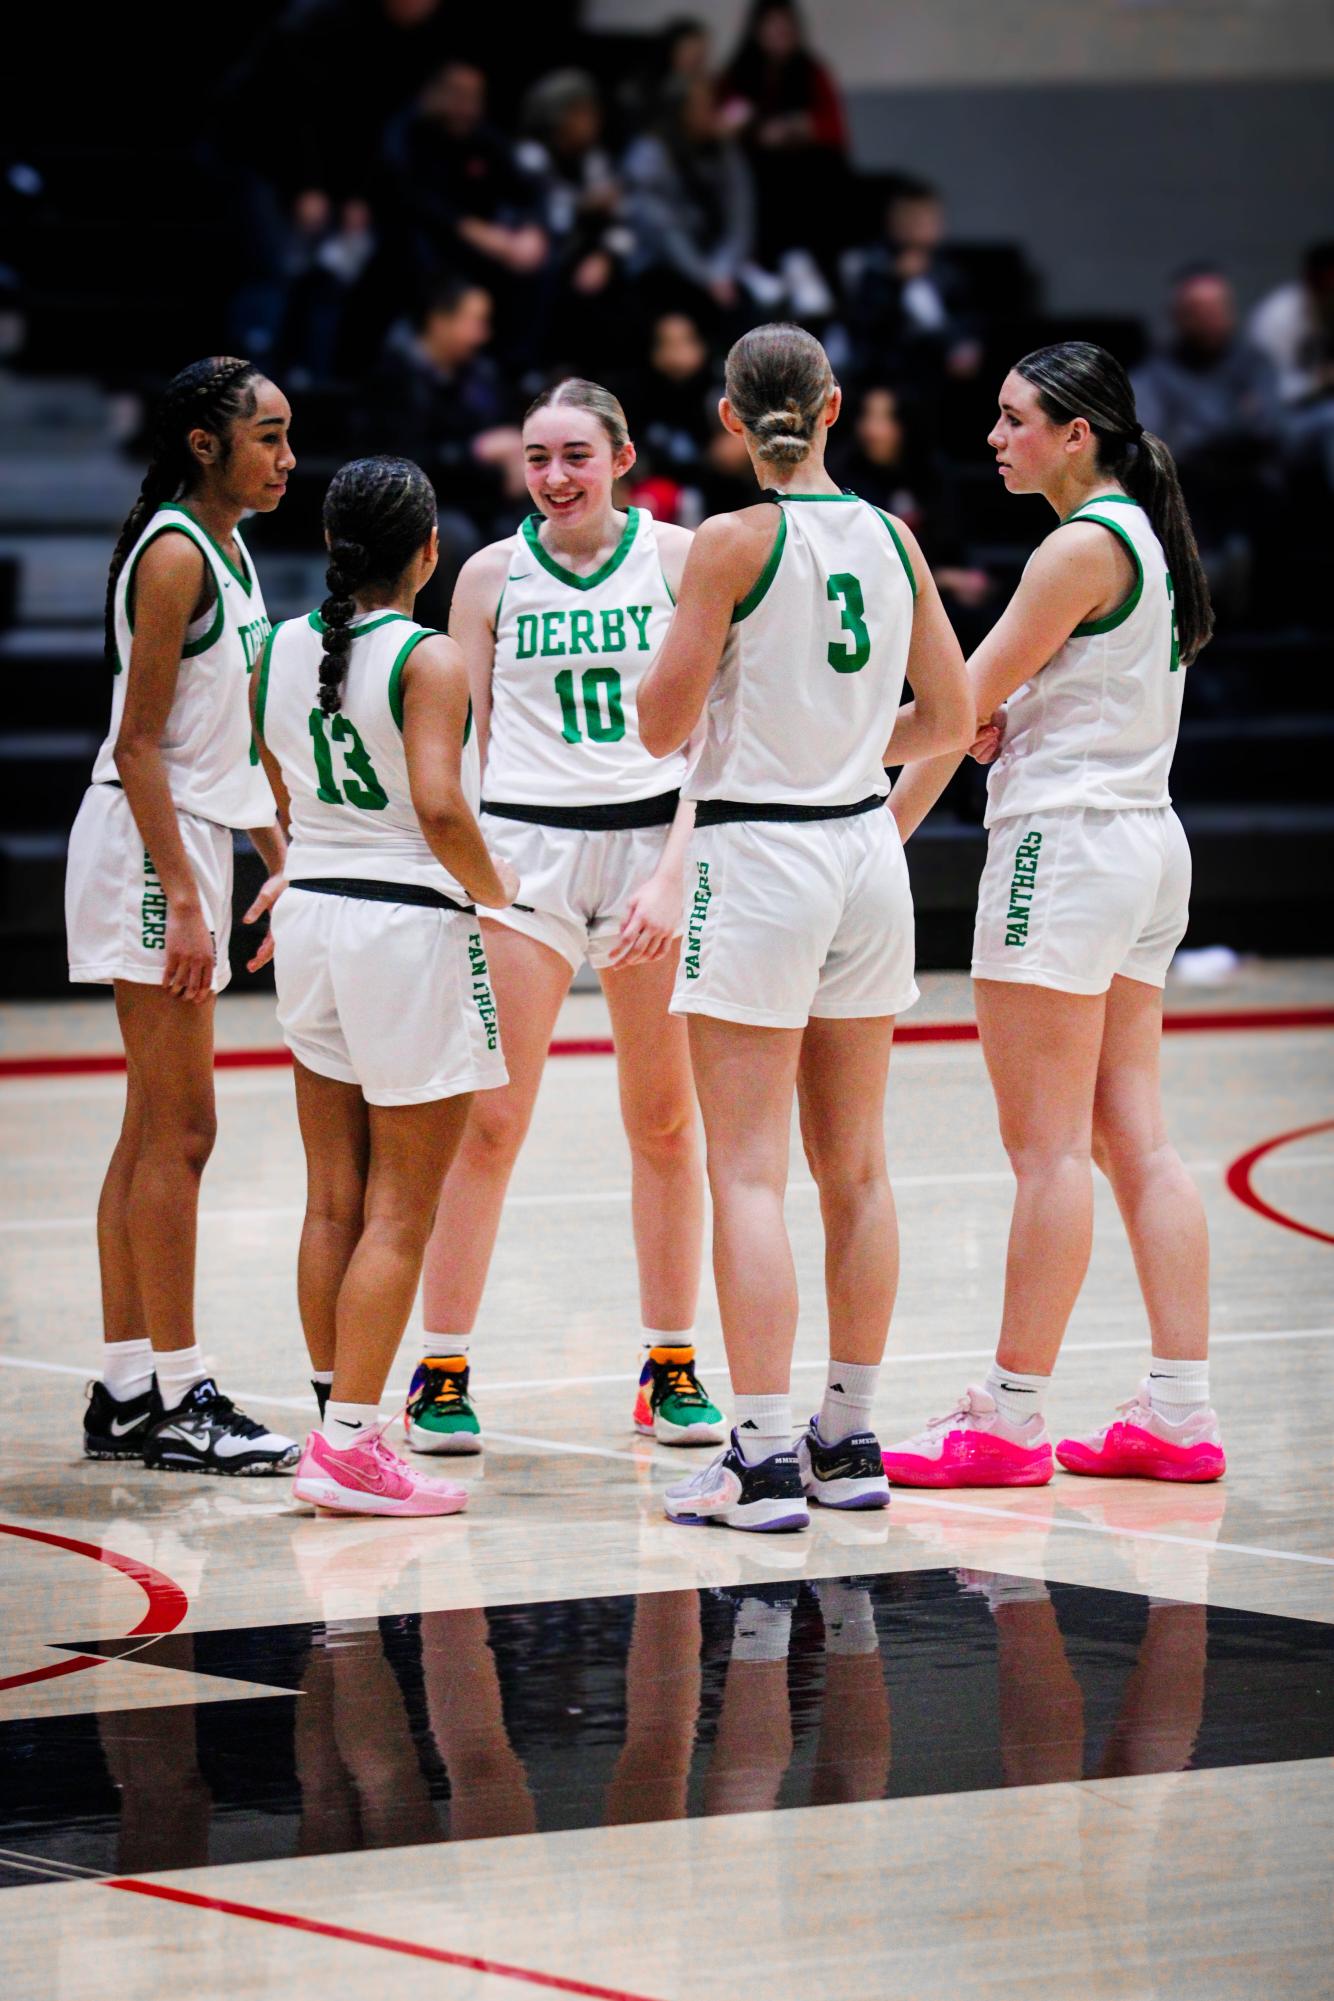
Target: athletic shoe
x: 439, y: 1416
x: 762, y: 1497
x: 974, y: 1446
x: 117, y: 1430
x: 206, y: 1433
x: 1142, y: 1445
x: 369, y: 1479
x: 672, y: 1404
x: 849, y: 1474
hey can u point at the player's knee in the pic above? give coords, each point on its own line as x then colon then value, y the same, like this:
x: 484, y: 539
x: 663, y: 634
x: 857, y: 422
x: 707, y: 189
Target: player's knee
x: 495, y: 1131
x: 661, y: 1129
x: 1037, y: 1157
x: 185, y: 1137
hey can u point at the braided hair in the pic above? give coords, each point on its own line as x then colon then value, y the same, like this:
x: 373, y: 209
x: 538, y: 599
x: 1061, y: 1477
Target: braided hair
x: 377, y: 514
x: 1075, y: 378
x: 208, y: 395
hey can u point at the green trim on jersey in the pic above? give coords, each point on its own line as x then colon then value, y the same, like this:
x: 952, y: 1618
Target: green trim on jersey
x: 191, y: 646
x: 245, y: 578
x: 766, y: 576
x: 815, y: 496
x: 666, y: 586
x: 903, y: 553
x: 396, y: 675
x: 495, y: 616
x: 1099, y: 499
x: 356, y: 631
x: 558, y: 570
x: 262, y: 685
x: 1093, y: 626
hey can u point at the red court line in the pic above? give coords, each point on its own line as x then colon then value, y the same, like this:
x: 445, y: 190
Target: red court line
x: 1241, y: 1185
x: 1199, y: 1022
x: 167, y: 1603
x: 554, y: 1982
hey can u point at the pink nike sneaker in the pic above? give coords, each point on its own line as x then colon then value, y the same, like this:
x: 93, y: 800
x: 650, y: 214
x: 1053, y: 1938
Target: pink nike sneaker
x: 369, y: 1479
x: 974, y: 1446
x: 1141, y: 1445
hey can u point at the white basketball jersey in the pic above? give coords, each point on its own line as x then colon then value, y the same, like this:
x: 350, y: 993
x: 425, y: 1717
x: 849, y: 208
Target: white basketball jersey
x: 347, y: 774
x: 811, y: 676
x: 570, y: 654
x: 212, y: 765
x: 1098, y: 726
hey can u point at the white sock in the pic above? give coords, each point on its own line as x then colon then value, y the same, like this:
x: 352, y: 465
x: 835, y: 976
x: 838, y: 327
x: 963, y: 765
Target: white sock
x: 1017, y: 1397
x: 127, y: 1368
x: 324, y: 1376
x: 653, y: 1337
x: 849, y: 1617
x: 1178, y: 1389
x: 763, y: 1632
x: 763, y: 1425
x: 178, y: 1372
x: 849, y: 1389
x: 346, y: 1424
x: 435, y: 1347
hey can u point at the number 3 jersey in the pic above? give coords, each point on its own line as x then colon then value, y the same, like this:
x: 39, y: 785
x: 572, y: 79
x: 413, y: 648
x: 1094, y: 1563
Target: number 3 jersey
x: 570, y: 654
x: 1098, y: 726
x: 811, y: 676
x: 347, y: 774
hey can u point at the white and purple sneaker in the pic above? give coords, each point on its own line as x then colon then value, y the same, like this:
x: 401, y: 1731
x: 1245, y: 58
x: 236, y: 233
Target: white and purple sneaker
x: 848, y: 1474
x: 766, y: 1496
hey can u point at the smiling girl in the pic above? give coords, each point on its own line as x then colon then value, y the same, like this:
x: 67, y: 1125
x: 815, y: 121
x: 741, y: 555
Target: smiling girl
x: 148, y: 894
x: 558, y: 625
x: 1083, y: 903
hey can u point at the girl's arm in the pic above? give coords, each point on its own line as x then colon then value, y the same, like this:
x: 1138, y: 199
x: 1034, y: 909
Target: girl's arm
x: 940, y: 716
x: 726, y: 558
x: 168, y: 584
x: 435, y: 712
x: 1075, y: 573
x: 472, y: 627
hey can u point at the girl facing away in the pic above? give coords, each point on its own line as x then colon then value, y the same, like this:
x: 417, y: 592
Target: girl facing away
x: 365, y: 730
x: 148, y: 895
x: 1083, y: 902
x: 558, y: 624
x: 798, y: 618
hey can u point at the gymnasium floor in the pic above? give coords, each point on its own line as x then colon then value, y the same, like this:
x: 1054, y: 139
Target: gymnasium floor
x: 1078, y: 1739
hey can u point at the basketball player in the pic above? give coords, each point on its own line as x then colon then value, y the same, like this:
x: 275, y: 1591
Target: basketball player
x: 1083, y: 903
x: 148, y: 895
x: 558, y: 624
x: 797, y: 620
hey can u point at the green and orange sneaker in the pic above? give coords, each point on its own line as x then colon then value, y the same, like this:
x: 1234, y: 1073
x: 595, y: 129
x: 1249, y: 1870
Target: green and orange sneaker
x: 672, y: 1404
x: 439, y: 1416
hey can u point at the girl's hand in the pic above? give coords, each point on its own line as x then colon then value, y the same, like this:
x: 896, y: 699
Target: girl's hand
x: 986, y: 745
x: 190, y: 954
x: 269, y: 893
x: 651, y: 922
x: 509, y: 883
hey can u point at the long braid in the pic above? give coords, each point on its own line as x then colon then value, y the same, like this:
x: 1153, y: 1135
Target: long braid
x: 207, y: 395
x: 377, y: 514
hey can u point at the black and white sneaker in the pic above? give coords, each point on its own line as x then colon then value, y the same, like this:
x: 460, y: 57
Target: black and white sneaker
x: 114, y: 1429
x: 765, y: 1496
x: 850, y: 1474
x: 206, y: 1433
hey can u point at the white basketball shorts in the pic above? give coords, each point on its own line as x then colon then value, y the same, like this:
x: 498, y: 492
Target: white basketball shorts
x: 115, y: 909
x: 789, y: 920
x: 1072, y: 898
x: 579, y: 882
x: 388, y: 996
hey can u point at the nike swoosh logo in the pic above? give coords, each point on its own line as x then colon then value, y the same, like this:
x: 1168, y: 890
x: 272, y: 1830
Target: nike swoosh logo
x: 518, y: 576
x: 121, y: 1427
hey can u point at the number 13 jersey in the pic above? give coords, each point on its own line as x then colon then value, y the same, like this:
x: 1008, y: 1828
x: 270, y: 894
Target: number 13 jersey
x: 812, y: 670
x: 570, y: 654
x: 347, y: 774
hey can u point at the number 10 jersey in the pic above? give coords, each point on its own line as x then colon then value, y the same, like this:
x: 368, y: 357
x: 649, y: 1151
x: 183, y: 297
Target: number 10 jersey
x: 347, y: 774
x: 570, y: 654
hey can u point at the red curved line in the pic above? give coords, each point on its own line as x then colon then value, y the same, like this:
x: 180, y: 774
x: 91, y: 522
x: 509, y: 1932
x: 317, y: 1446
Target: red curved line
x: 1240, y: 1184
x: 167, y: 1603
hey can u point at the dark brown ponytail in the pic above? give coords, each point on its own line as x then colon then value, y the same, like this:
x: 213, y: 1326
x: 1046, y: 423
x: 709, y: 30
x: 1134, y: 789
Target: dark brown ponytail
x: 1077, y: 379
x: 377, y: 514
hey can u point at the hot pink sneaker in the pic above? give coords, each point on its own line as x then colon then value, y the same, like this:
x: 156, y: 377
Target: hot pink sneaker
x: 369, y: 1479
x: 1141, y: 1445
x: 973, y: 1447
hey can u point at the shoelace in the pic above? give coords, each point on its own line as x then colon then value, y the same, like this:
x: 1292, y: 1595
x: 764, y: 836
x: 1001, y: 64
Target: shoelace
x: 683, y: 1384
x: 221, y: 1410
x: 442, y: 1386
x: 963, y: 1408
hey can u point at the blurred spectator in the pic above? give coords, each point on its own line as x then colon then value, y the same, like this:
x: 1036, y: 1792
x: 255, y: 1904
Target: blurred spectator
x: 1213, y: 397
x: 1294, y: 327
x: 682, y: 53
x: 438, y: 398
x: 673, y: 401
x: 785, y: 106
x: 471, y: 207
x: 582, y: 211
x: 690, y: 203
x: 908, y: 308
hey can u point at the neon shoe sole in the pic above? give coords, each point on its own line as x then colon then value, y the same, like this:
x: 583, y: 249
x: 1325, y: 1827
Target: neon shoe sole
x: 1130, y: 1453
x: 971, y: 1459
x: 667, y: 1433
x: 331, y: 1498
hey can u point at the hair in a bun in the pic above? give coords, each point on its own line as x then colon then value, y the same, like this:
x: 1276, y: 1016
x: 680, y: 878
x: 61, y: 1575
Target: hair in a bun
x: 778, y: 382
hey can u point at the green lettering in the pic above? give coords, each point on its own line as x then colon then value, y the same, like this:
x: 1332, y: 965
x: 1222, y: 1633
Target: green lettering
x: 569, y: 713
x: 550, y: 619
x: 640, y: 614
x: 613, y: 634
x: 527, y: 646
x: 581, y: 632
x: 845, y: 589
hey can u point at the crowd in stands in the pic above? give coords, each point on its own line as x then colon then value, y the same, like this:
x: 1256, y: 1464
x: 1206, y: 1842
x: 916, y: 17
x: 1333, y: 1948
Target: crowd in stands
x: 448, y: 230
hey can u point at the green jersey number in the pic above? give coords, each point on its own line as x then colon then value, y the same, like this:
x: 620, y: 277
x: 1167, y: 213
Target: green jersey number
x: 603, y: 709
x: 1176, y: 636
x: 361, y: 787
x: 849, y: 656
